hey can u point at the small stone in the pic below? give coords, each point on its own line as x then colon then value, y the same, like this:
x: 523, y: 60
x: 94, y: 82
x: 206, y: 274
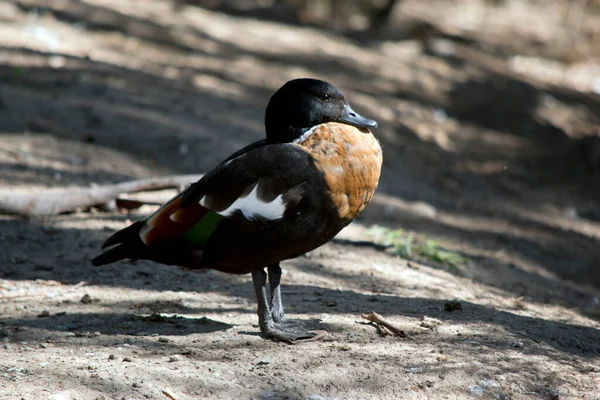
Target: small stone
x: 6, y: 346
x: 430, y: 323
x: 155, y: 318
x: 452, y: 305
x: 315, y: 397
x: 44, y: 313
x: 136, y: 385
x: 175, y: 358
x: 97, y: 333
x: 111, y: 356
x: 163, y: 340
x: 43, y: 345
x: 127, y: 359
x: 263, y: 361
x: 517, y: 345
x: 331, y: 303
x: 86, y: 299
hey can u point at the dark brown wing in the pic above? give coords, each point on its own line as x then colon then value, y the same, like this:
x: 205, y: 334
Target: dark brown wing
x: 227, y: 208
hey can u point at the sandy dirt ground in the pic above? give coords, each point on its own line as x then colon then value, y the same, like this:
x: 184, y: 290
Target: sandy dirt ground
x: 491, y: 134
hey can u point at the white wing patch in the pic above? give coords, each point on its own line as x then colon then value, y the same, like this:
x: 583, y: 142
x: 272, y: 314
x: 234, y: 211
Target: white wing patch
x: 252, y: 207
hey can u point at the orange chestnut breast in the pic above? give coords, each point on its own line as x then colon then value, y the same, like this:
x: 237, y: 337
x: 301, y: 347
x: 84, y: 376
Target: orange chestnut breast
x: 351, y: 160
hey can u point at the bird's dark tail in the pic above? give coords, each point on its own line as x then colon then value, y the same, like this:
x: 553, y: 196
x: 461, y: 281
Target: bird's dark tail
x: 129, y: 245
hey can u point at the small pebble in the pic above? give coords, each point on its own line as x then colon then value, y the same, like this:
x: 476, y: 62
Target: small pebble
x: 43, y: 345
x: 127, y: 359
x: 111, y: 356
x: 331, y: 303
x: 136, y: 385
x: 6, y: 346
x: 97, y: 333
x: 44, y: 313
x: 452, y: 306
x: 163, y: 340
x: 86, y: 299
x: 517, y: 345
x: 155, y: 318
x: 175, y: 358
x: 264, y: 361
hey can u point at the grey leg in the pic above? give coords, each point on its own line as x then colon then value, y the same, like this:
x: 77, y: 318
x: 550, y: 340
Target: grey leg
x: 274, y: 271
x: 267, y: 324
x: 259, y: 279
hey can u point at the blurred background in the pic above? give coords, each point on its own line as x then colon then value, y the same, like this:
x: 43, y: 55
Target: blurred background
x: 489, y: 118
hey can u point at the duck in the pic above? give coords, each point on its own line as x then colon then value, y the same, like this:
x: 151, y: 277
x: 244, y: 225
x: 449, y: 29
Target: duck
x: 274, y: 200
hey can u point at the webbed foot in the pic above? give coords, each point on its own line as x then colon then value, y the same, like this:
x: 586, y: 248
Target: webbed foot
x: 290, y: 331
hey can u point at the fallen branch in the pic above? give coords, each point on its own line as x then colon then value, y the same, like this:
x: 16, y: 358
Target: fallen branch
x: 382, y: 322
x: 57, y: 201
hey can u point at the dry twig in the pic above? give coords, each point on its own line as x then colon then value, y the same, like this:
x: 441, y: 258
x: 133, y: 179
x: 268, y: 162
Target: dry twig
x: 382, y: 322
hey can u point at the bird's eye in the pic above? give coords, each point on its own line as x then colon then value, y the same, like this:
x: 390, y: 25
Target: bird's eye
x: 324, y: 97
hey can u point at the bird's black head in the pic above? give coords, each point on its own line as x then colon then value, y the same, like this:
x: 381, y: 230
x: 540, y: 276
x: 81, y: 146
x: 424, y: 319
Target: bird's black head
x: 301, y: 104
